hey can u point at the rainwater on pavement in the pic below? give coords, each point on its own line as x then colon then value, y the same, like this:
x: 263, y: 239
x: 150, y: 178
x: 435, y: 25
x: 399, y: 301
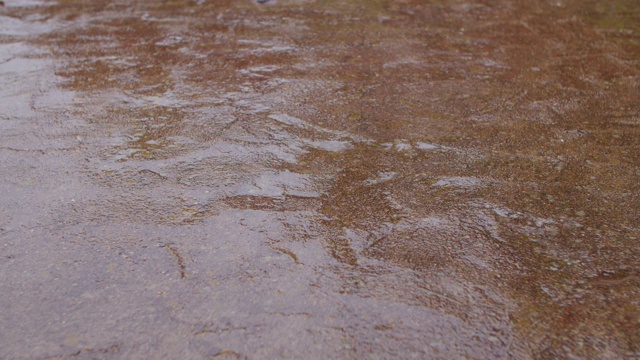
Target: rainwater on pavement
x: 306, y: 179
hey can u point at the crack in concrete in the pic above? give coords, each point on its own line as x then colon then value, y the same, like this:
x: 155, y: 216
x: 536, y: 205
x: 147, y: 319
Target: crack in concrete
x: 179, y: 258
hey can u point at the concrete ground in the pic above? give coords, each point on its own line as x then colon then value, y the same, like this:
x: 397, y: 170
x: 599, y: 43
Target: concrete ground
x: 303, y: 179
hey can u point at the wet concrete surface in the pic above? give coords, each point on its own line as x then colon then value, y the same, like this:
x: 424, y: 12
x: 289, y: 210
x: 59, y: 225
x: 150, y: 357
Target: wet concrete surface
x: 319, y: 179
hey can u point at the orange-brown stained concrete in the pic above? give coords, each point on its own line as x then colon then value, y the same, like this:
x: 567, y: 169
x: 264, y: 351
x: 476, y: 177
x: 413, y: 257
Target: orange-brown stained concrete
x: 320, y: 179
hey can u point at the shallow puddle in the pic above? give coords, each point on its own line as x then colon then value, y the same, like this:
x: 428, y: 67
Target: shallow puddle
x: 319, y: 179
